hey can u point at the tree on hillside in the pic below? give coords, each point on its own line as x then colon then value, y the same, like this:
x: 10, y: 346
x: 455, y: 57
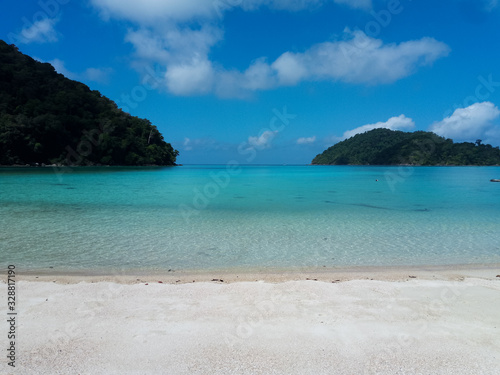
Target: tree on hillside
x: 47, y: 118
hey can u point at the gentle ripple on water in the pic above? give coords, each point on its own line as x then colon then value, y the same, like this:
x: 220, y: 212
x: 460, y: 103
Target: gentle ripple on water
x: 262, y: 217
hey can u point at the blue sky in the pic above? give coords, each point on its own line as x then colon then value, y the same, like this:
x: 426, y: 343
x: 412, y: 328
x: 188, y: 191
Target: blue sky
x: 262, y: 81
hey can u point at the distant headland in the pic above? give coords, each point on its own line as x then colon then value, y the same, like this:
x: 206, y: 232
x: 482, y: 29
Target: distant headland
x: 46, y: 118
x: 392, y: 147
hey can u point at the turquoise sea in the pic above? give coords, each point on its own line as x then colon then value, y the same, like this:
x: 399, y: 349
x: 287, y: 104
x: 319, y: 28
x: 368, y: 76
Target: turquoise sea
x: 229, y: 217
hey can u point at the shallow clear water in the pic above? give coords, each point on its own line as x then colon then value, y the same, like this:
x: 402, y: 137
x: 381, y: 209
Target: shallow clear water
x: 250, y: 217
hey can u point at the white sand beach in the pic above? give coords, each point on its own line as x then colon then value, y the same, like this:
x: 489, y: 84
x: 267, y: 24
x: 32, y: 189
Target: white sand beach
x: 446, y: 323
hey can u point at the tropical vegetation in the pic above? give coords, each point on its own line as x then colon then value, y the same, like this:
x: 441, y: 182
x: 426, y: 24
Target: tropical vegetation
x: 46, y: 118
x: 392, y: 147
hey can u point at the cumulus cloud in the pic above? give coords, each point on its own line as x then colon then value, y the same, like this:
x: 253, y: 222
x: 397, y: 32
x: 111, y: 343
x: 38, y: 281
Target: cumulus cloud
x: 170, y: 43
x: 400, y: 122
x: 148, y: 46
x: 151, y: 10
x: 61, y: 68
x: 306, y: 140
x: 195, y: 77
x: 42, y: 31
x: 358, y: 59
x: 264, y: 140
x: 470, y: 123
x: 185, y: 10
x: 178, y: 35
x: 289, y: 69
x: 100, y: 75
x: 182, y: 51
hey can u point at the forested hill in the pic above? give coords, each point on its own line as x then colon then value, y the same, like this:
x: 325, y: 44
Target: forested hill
x: 47, y: 118
x: 390, y: 147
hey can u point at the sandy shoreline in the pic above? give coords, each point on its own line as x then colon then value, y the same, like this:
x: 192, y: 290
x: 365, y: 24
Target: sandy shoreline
x: 443, y: 321
x: 339, y: 274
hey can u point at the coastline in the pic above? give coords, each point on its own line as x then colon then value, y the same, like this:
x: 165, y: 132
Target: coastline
x: 369, y: 323
x: 337, y: 274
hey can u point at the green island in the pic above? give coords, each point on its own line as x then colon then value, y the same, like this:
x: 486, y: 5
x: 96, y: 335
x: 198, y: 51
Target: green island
x: 46, y: 118
x: 393, y: 147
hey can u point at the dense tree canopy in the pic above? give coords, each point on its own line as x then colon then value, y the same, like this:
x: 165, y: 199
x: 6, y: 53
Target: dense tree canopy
x: 390, y: 147
x: 47, y: 118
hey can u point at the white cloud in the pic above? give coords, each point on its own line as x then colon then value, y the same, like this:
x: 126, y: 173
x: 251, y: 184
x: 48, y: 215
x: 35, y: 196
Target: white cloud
x: 263, y: 141
x: 470, y: 123
x: 187, y: 144
x: 170, y: 43
x: 42, y: 31
x: 195, y: 77
x: 257, y: 76
x: 361, y: 4
x: 61, y: 68
x: 306, y: 140
x: 100, y: 75
x: 186, y: 10
x: 148, y: 46
x: 183, y: 49
x: 236, y: 84
x: 154, y: 10
x: 358, y: 59
x: 204, y: 144
x: 289, y: 69
x: 400, y: 122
